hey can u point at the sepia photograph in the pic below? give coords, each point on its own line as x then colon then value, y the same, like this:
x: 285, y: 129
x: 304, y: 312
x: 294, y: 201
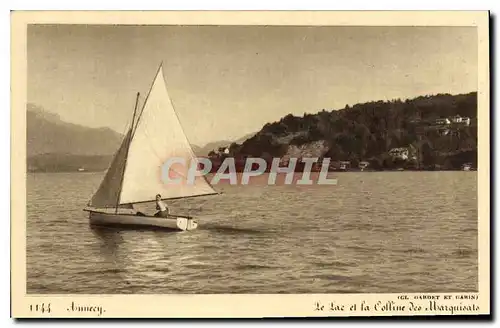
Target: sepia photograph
x: 239, y: 158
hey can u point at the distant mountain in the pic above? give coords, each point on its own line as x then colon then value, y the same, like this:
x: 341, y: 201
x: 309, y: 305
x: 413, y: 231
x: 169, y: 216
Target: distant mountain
x: 203, y: 151
x: 57, y: 146
x: 47, y: 133
x: 60, y: 162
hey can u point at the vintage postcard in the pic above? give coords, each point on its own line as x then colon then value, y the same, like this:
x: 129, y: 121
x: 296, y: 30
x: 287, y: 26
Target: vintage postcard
x: 250, y: 164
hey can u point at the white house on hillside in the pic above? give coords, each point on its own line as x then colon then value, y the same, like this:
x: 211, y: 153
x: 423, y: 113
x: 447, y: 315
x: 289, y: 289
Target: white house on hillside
x: 457, y: 119
x: 442, y: 121
x: 399, y: 153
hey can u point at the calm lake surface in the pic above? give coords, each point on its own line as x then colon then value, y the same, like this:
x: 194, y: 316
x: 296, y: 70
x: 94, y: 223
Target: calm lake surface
x: 373, y: 232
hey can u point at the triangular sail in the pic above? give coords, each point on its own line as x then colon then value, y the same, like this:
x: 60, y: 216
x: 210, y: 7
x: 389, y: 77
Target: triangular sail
x: 109, y: 189
x: 158, y: 137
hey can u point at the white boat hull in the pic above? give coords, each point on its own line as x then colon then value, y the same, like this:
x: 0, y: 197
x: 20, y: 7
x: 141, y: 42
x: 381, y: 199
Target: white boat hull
x: 176, y: 223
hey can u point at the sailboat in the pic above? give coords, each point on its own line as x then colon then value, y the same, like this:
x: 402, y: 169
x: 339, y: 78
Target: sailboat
x: 135, y: 173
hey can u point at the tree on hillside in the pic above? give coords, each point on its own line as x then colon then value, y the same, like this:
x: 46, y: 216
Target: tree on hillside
x: 368, y: 131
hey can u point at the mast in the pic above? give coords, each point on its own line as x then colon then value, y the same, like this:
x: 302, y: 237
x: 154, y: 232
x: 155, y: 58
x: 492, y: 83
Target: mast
x: 126, y: 153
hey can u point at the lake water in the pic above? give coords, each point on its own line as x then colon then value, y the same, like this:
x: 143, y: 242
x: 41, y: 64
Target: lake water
x: 373, y: 232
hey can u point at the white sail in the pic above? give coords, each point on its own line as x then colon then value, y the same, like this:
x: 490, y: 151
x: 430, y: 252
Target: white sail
x: 109, y: 189
x: 158, y: 137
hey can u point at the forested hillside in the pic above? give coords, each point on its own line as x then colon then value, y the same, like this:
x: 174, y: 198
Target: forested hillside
x: 367, y: 131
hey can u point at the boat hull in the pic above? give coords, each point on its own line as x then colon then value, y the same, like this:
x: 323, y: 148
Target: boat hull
x: 175, y: 223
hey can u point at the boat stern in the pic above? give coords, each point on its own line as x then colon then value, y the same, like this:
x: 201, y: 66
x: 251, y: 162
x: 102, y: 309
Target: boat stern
x: 187, y: 224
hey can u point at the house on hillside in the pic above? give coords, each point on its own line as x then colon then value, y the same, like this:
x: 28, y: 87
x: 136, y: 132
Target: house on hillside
x: 344, y: 165
x: 442, y: 121
x: 457, y: 119
x: 466, y: 166
x: 363, y: 165
x: 223, y: 150
x: 399, y: 153
x: 454, y: 120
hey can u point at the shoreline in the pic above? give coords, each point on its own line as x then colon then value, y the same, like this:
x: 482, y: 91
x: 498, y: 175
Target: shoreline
x: 299, y: 172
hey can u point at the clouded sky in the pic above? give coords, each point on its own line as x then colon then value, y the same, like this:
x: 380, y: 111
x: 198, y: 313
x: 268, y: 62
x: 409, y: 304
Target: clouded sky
x: 227, y: 81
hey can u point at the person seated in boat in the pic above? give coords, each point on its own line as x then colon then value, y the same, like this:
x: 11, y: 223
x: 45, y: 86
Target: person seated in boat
x: 161, y: 207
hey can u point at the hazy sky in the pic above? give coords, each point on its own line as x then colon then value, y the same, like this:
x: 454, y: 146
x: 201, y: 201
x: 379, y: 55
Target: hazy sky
x: 227, y: 81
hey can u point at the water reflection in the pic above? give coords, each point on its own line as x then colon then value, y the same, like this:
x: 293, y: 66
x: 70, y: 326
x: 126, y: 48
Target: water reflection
x: 109, y: 240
